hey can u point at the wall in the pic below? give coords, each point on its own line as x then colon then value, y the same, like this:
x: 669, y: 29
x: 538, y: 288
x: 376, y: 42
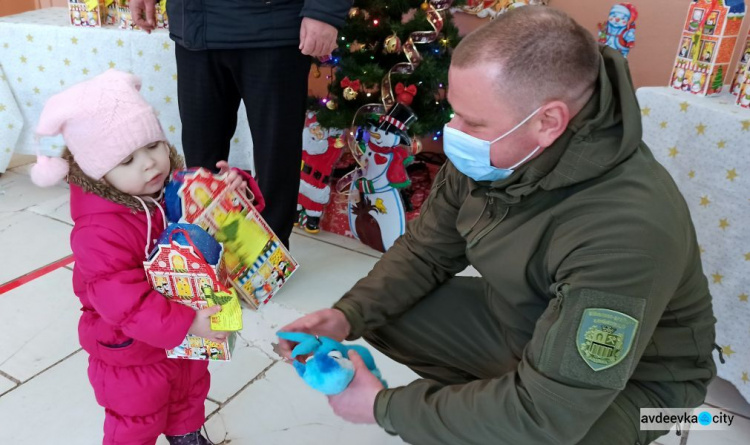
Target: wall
x: 8, y: 7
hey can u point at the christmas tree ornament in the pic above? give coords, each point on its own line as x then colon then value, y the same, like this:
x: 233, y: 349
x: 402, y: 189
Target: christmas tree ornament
x: 332, y: 105
x: 316, y: 71
x: 371, y: 88
x: 425, y: 6
x: 405, y: 94
x: 354, y: 12
x: 351, y: 88
x: 392, y: 44
x: 355, y: 46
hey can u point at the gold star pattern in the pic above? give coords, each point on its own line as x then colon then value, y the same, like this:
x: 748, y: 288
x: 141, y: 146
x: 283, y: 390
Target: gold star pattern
x: 723, y: 223
x: 701, y: 249
x: 663, y: 124
x: 747, y: 256
x: 19, y: 80
x: 727, y: 350
x: 731, y: 174
x: 85, y: 71
x: 5, y: 45
x: 41, y: 68
x: 236, y: 140
x: 150, y: 88
x: 684, y: 107
x: 673, y: 152
x: 746, y: 125
x: 743, y: 297
x: 74, y: 40
x: 172, y: 128
x: 49, y: 47
x: 705, y: 201
x: 717, y: 277
x: 2, y: 107
x: 112, y: 64
x: 700, y: 128
x: 23, y: 59
x: 11, y: 126
x: 721, y: 144
x: 28, y: 104
x: 94, y: 50
x: 157, y: 67
x: 62, y: 82
x: 174, y: 77
x: 744, y: 377
x: 30, y: 38
x: 36, y: 90
x: 120, y: 42
x: 168, y: 100
x: 165, y: 45
x: 691, y: 174
x: 646, y: 111
x: 7, y: 149
x: 140, y: 53
x: 66, y: 62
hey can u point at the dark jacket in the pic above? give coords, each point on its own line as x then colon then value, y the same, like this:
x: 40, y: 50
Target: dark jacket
x: 593, y: 227
x: 235, y: 24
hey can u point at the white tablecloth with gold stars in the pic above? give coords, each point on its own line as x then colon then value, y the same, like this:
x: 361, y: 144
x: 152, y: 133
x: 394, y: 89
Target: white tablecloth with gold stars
x: 704, y: 142
x: 42, y: 54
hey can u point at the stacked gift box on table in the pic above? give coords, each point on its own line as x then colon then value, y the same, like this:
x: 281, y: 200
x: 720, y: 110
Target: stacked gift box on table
x: 708, y: 40
x: 98, y: 13
x: 741, y: 80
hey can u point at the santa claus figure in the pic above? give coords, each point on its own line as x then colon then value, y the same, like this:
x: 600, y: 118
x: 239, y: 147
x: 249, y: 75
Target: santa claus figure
x: 321, y: 149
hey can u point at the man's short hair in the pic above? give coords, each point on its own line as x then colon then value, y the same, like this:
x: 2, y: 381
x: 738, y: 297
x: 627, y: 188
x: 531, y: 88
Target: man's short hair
x: 542, y: 55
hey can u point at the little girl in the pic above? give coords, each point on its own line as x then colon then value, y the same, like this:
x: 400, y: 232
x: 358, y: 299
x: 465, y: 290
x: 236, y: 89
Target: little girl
x: 117, y: 161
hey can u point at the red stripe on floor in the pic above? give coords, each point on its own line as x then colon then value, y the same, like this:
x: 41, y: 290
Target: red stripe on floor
x: 31, y: 276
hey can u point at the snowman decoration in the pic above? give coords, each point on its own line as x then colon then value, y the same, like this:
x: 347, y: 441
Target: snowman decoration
x: 378, y: 217
x: 744, y: 97
x: 678, y: 78
x: 620, y: 33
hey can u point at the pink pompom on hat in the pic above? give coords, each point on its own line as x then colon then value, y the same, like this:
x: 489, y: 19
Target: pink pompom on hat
x: 103, y: 120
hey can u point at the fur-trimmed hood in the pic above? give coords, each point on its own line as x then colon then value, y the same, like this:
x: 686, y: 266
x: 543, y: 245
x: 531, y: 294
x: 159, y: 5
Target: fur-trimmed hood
x: 101, y: 188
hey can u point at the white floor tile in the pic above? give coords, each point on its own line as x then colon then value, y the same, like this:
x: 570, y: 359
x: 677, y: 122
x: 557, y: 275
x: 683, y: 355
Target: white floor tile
x: 228, y: 378
x: 326, y: 272
x: 46, y: 329
x: 281, y: 409
x: 737, y: 434
x: 17, y: 192
x: 34, y: 241
x: 723, y: 394
x: 57, y: 208
x: 6, y: 385
x: 20, y: 159
x: 57, y: 407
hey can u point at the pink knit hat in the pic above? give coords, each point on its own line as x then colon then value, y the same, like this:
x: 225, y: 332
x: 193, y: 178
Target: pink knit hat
x: 103, y: 120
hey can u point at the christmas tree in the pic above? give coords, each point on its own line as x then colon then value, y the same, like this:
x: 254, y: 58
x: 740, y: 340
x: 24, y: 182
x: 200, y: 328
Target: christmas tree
x: 378, y: 36
x: 718, y: 80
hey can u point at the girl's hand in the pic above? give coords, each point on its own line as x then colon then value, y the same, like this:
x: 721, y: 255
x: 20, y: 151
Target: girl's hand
x: 236, y: 182
x: 201, y: 325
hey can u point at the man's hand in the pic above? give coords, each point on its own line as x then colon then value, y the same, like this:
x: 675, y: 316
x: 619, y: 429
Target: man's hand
x: 356, y: 403
x: 235, y: 180
x: 143, y: 12
x: 201, y: 325
x: 317, y: 38
x: 330, y: 323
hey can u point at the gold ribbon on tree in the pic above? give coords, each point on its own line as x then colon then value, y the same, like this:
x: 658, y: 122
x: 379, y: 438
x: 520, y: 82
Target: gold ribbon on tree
x: 434, y: 12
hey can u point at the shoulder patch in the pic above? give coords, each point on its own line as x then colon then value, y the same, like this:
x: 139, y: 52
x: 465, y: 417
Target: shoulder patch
x: 605, y: 337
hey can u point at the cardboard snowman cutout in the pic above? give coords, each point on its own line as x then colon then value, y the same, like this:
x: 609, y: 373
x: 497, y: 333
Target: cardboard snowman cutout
x: 376, y: 210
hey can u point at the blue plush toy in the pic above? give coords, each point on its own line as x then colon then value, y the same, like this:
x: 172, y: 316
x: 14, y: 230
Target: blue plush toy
x: 329, y: 369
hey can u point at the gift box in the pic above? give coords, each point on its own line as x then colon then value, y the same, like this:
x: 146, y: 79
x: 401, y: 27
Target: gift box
x: 87, y: 13
x: 185, y: 266
x: 707, y: 42
x: 256, y: 263
x: 741, y: 76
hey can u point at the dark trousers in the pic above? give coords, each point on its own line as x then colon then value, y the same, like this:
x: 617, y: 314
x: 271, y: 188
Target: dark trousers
x: 452, y: 337
x: 273, y: 84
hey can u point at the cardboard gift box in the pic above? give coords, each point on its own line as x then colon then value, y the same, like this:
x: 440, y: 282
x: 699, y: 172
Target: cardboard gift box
x: 707, y: 42
x: 256, y: 263
x: 185, y: 266
x: 87, y: 13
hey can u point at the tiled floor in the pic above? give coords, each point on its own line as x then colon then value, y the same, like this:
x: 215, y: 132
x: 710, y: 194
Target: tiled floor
x: 45, y: 397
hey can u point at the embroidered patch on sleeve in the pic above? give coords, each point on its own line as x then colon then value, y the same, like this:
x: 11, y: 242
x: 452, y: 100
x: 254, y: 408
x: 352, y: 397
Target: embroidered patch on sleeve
x: 605, y: 337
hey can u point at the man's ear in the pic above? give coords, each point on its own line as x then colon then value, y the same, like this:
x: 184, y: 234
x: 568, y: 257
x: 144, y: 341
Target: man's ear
x: 551, y: 122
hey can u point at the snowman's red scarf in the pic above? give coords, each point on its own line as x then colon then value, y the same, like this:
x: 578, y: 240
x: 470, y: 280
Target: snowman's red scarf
x: 396, y: 171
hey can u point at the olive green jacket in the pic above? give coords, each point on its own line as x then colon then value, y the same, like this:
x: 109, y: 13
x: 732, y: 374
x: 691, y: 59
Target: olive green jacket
x: 594, y: 223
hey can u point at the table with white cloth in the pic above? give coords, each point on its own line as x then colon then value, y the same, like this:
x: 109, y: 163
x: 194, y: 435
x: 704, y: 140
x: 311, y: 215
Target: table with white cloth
x: 41, y: 54
x: 704, y: 142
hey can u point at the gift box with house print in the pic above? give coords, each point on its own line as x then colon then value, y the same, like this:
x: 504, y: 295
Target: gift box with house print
x: 256, y: 263
x: 707, y: 42
x: 88, y: 13
x: 185, y: 267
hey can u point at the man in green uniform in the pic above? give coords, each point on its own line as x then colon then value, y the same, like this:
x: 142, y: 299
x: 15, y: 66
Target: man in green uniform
x: 592, y: 302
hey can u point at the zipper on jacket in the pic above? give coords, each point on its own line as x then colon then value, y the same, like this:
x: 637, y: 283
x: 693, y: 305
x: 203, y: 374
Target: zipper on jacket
x: 557, y: 308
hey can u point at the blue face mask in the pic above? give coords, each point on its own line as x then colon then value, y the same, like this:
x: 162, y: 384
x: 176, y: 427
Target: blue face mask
x: 471, y: 155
